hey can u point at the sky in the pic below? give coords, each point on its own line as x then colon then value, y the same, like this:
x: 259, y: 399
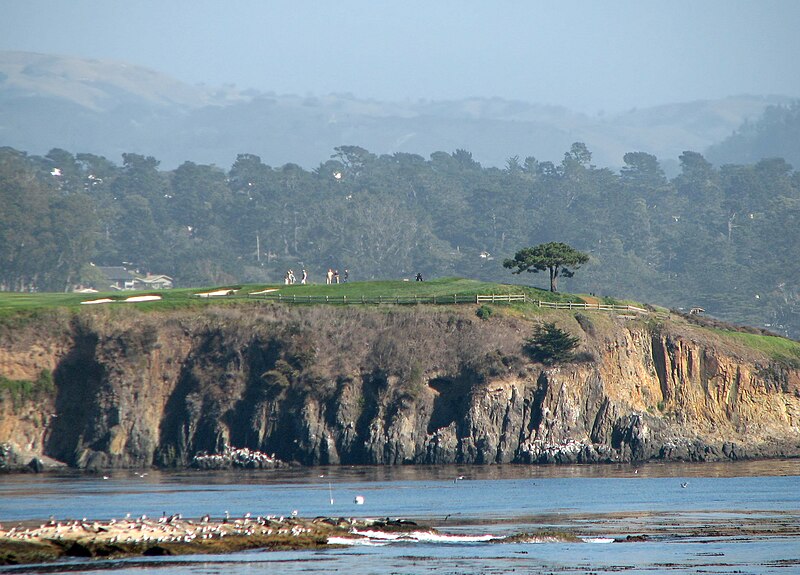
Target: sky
x: 598, y: 56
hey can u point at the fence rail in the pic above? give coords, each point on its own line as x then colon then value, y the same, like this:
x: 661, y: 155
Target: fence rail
x: 588, y: 306
x: 439, y: 300
x: 396, y: 300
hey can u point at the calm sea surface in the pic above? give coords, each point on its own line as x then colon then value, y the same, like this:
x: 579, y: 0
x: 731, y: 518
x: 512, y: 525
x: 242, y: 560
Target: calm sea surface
x: 713, y: 518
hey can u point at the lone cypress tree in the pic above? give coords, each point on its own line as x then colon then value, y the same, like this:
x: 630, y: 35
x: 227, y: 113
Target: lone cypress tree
x: 554, y: 256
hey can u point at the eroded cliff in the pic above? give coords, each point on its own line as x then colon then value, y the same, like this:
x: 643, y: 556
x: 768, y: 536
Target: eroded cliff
x: 326, y: 385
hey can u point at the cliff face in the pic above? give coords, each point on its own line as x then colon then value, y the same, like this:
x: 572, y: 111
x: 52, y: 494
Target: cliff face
x: 328, y: 386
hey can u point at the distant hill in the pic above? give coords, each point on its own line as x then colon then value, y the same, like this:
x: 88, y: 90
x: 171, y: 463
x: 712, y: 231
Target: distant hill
x: 776, y: 134
x: 109, y: 108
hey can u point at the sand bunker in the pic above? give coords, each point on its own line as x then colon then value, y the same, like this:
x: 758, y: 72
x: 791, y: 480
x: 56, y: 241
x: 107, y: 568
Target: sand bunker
x: 140, y: 298
x: 217, y: 293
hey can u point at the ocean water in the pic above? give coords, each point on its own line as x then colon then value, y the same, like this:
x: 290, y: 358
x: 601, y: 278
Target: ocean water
x: 741, y: 517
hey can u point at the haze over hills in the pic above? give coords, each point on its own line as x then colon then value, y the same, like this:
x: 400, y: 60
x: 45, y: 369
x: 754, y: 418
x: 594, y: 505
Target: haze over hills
x: 109, y: 108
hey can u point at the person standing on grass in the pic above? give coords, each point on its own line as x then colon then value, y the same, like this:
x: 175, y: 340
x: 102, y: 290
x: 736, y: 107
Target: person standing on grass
x: 346, y: 275
x: 329, y: 277
x: 303, y: 278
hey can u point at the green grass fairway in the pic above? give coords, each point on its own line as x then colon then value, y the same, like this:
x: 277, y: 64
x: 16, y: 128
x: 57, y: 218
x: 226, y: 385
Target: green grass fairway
x: 12, y: 302
x: 396, y: 288
x: 779, y: 348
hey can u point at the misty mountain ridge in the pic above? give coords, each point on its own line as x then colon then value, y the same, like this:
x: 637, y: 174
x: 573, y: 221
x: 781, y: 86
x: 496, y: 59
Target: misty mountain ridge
x: 109, y: 108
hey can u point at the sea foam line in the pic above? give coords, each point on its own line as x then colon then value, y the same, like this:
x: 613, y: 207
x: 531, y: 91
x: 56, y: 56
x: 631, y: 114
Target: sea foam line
x: 425, y: 536
x: 597, y: 539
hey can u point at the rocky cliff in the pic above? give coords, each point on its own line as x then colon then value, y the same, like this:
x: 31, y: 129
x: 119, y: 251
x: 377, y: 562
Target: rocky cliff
x: 325, y: 385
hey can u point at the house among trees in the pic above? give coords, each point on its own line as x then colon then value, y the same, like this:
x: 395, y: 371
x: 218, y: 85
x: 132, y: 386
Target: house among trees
x: 153, y: 282
x: 120, y: 278
x: 116, y: 278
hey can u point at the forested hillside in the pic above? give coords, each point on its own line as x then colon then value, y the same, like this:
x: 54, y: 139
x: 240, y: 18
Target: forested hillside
x: 776, y: 134
x: 723, y: 238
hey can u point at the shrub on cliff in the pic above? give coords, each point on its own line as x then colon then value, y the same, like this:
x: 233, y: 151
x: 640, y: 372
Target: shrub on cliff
x: 551, y: 345
x: 484, y: 312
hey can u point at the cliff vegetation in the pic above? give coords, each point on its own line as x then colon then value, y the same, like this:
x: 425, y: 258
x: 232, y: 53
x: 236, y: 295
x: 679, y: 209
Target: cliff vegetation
x: 314, y: 384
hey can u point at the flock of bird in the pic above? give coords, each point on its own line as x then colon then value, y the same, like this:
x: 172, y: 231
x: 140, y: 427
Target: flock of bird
x: 235, y: 457
x: 166, y: 529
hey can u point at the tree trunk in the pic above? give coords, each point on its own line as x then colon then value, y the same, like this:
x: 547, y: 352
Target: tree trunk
x: 553, y: 279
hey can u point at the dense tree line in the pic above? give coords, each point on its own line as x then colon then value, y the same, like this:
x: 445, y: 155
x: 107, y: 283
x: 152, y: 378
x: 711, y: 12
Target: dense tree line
x: 724, y: 238
x: 776, y: 133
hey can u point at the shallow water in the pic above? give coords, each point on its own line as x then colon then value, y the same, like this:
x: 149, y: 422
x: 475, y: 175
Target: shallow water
x: 714, y: 518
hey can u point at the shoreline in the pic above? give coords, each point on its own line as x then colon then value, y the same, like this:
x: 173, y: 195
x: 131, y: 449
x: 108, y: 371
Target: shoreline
x: 34, y: 542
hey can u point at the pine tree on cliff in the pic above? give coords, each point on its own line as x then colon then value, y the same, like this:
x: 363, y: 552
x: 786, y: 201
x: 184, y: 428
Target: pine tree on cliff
x: 554, y: 256
x: 551, y: 345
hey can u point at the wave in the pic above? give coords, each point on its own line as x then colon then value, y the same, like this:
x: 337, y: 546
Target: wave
x: 378, y: 537
x: 356, y: 541
x: 375, y: 537
x: 598, y: 539
x: 425, y: 537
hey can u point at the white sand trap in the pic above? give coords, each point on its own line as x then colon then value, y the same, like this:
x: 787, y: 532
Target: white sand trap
x: 140, y: 298
x: 263, y: 291
x: 217, y: 293
x: 94, y: 301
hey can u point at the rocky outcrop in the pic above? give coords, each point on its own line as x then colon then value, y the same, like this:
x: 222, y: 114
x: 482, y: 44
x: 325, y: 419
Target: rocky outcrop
x: 322, y: 385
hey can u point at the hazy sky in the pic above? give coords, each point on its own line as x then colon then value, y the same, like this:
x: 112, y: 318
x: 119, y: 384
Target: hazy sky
x: 587, y: 55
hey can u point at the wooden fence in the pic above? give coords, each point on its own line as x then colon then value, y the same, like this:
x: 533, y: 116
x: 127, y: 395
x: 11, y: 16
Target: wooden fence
x: 439, y: 300
x: 588, y: 306
x: 396, y: 300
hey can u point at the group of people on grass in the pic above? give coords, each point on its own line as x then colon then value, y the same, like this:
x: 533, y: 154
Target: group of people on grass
x: 290, y: 279
x: 332, y: 277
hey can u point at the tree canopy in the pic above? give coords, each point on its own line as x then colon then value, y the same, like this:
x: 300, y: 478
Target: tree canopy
x: 705, y: 236
x: 553, y: 257
x: 550, y: 345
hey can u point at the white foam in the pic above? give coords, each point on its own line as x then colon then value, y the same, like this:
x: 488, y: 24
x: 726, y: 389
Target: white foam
x: 442, y: 538
x: 379, y: 535
x: 425, y: 537
x: 354, y: 541
x: 597, y: 539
